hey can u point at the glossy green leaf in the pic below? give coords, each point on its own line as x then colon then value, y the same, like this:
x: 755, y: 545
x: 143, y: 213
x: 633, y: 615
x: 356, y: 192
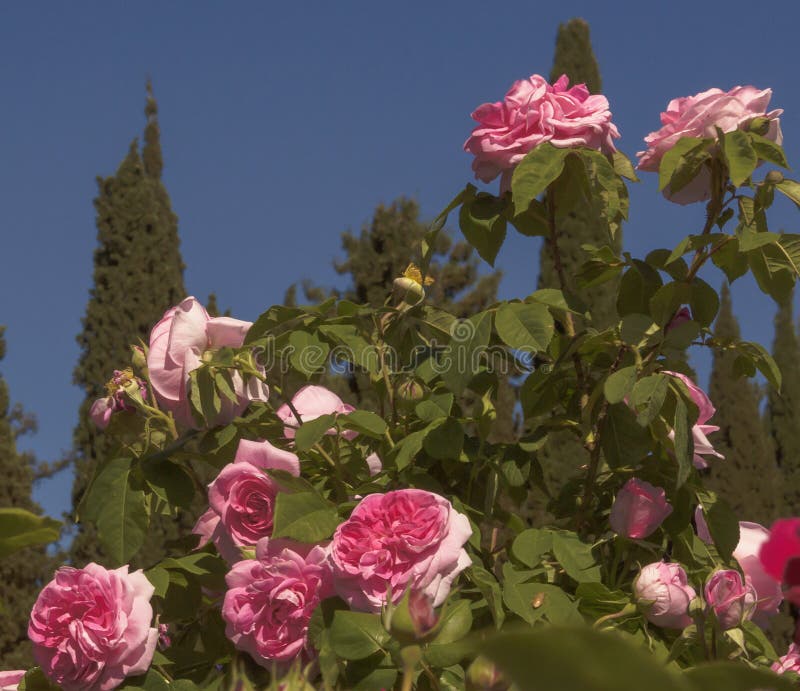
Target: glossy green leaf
x: 524, y: 326
x: 309, y: 433
x: 357, y: 635
x: 483, y: 223
x: 20, y: 528
x: 540, y: 168
x: 619, y: 384
x: 304, y: 516
x: 739, y: 155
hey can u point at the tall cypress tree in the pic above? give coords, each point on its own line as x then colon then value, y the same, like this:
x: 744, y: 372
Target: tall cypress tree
x: 138, y: 274
x: 23, y: 573
x: 748, y: 477
x: 783, y: 408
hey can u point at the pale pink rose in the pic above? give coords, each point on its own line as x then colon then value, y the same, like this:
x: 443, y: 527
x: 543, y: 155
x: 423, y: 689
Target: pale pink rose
x: 751, y: 537
x: 391, y: 541
x: 732, y: 599
x: 177, y: 344
x: 699, y: 116
x: 639, y: 508
x: 700, y: 430
x: 789, y: 662
x: 116, y: 400
x: 374, y: 464
x: 311, y: 402
x: 532, y: 112
x: 242, y: 498
x: 9, y: 680
x: 664, y: 593
x: 92, y: 627
x: 270, y: 600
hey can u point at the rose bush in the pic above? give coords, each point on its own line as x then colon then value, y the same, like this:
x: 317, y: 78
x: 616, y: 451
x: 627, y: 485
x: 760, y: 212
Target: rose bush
x: 402, y: 542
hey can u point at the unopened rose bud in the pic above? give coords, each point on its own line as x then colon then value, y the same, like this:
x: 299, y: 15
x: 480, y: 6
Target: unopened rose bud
x: 759, y: 125
x: 774, y: 177
x: 409, y: 393
x: 139, y: 360
x: 408, y: 290
x: 482, y: 675
x: 413, y: 619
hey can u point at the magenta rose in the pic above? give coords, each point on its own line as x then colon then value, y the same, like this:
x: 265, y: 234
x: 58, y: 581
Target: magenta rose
x: 730, y: 598
x: 312, y: 402
x: 177, y: 344
x: 532, y: 112
x: 639, y: 508
x: 91, y: 627
x: 682, y: 316
x: 242, y: 498
x: 789, y: 662
x: 117, y: 399
x: 11, y: 679
x: 751, y: 538
x: 270, y: 600
x: 406, y: 538
x: 779, y: 554
x: 699, y: 116
x: 664, y: 593
x: 701, y: 430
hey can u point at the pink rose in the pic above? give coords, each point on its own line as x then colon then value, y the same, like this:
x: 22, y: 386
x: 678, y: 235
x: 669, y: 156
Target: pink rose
x: 698, y: 116
x: 270, y: 600
x: 117, y: 399
x: 789, y: 662
x: 91, y: 627
x: 312, y: 402
x: 374, y: 464
x: 242, y: 498
x: 10, y: 680
x: 751, y: 537
x: 664, y: 592
x: 177, y: 344
x: 682, y: 316
x: 639, y: 509
x: 533, y: 112
x: 391, y: 541
x: 731, y: 599
x: 706, y: 410
x: 780, y: 556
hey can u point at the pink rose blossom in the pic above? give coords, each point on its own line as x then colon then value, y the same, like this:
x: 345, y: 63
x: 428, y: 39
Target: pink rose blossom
x: 706, y: 410
x: 699, y: 116
x: 312, y: 402
x: 91, y: 627
x: 532, y: 112
x: 731, y: 599
x: 639, y: 509
x: 682, y: 316
x: 780, y: 556
x: 270, y: 600
x: 242, y: 498
x: 11, y: 679
x: 789, y: 662
x: 391, y: 541
x: 751, y: 537
x: 177, y: 344
x: 117, y: 399
x: 664, y: 592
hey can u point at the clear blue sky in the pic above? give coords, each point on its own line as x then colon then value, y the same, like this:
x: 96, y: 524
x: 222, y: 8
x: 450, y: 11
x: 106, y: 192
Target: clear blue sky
x: 284, y: 124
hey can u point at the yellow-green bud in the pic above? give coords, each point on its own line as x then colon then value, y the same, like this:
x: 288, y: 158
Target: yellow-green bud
x: 774, y: 177
x: 482, y: 675
x: 759, y: 125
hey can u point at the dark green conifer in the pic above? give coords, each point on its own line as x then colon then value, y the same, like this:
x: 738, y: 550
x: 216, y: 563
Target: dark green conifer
x: 138, y: 274
x: 783, y: 408
x: 23, y: 573
x: 748, y: 477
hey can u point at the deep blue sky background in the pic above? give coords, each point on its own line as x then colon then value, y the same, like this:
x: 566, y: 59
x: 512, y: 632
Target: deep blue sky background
x: 284, y: 124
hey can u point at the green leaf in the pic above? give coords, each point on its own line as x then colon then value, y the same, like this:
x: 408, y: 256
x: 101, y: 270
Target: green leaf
x: 580, y: 659
x: 117, y: 502
x: 455, y: 622
x: 531, y: 545
x: 791, y: 189
x: 464, y: 357
x: 159, y: 578
x: 490, y: 589
x: 767, y: 150
x: 540, y: 168
x: 20, y: 528
x: 534, y: 601
x: 435, y: 407
x: 483, y: 224
x: 407, y: 449
x: 150, y: 681
x: 309, y: 353
x: 365, y: 422
x: 685, y: 155
x: 623, y: 440
x: 169, y: 481
x: 304, y: 516
x: 576, y: 557
x: 623, y: 166
x: 740, y: 156
x: 309, y: 433
x: 704, y: 302
x: 445, y: 439
x: 357, y: 635
x: 35, y: 680
x: 735, y: 676
x: 619, y: 384
x: 637, y: 286
x: 648, y: 397
x: 722, y: 522
x: 524, y: 326
x: 683, y: 442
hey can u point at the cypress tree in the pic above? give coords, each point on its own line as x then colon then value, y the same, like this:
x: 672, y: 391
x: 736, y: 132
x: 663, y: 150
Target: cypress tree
x: 23, y: 573
x: 747, y: 478
x: 783, y: 408
x: 138, y: 274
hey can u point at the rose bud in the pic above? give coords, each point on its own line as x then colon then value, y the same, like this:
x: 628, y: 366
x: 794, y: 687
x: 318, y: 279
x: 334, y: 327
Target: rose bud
x: 732, y: 600
x: 639, y: 509
x: 482, y: 675
x: 663, y: 593
x: 413, y: 619
x: 682, y: 316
